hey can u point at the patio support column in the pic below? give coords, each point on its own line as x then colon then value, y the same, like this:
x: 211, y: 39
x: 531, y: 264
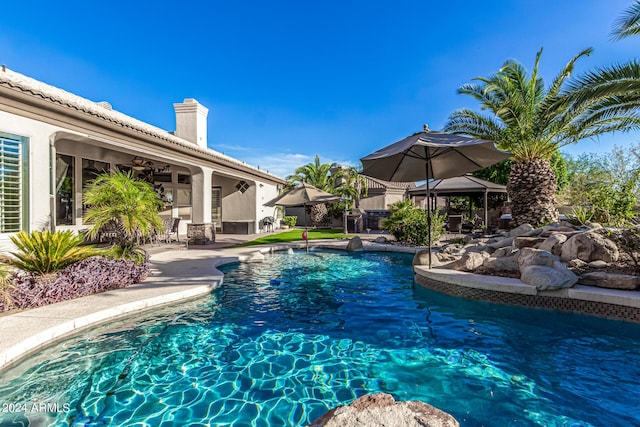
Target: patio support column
x: 201, y: 195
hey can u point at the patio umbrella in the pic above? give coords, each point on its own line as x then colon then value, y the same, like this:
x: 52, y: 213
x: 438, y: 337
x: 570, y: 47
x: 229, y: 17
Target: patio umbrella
x: 431, y: 155
x: 303, y: 195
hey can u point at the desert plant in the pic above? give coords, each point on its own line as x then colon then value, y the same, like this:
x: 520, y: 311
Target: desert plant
x: 290, y: 220
x: 46, y: 252
x: 127, y: 250
x: 582, y: 215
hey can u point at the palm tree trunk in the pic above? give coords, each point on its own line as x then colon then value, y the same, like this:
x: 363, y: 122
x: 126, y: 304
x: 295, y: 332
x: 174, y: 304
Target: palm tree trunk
x: 532, y: 189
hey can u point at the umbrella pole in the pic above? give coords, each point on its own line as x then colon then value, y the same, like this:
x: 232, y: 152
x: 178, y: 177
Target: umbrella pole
x: 306, y: 227
x: 428, y: 213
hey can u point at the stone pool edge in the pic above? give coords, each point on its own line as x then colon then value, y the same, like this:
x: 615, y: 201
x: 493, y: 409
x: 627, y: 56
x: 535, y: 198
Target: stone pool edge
x: 608, y: 303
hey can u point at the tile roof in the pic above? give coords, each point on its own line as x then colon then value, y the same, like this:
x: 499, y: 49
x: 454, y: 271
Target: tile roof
x: 102, y: 110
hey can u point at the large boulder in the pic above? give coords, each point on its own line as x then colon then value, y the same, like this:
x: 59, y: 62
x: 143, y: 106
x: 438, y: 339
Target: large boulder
x: 502, y: 243
x: 548, y: 278
x: 603, y: 279
x: 381, y: 409
x: 355, y: 244
x: 553, y: 243
x: 531, y: 256
x: 468, y: 262
x: 503, y: 263
x: 521, y: 230
x: 527, y: 242
x: 589, y: 246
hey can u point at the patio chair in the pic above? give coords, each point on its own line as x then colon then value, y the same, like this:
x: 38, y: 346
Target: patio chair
x: 455, y: 223
x: 171, y: 227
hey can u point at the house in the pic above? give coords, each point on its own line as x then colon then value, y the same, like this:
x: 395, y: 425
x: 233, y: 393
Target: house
x: 52, y: 142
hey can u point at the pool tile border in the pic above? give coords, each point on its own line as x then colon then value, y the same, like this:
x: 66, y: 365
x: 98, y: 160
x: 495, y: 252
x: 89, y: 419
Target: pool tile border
x: 606, y: 303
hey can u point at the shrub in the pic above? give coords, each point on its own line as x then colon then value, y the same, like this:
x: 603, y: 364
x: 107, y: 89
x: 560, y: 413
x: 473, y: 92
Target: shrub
x: 408, y: 223
x: 92, y: 275
x: 5, y: 285
x: 290, y: 220
x: 628, y: 241
x: 47, y: 252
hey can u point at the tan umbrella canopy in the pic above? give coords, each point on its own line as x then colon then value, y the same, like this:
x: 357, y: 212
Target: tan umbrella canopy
x: 303, y: 195
x: 431, y: 155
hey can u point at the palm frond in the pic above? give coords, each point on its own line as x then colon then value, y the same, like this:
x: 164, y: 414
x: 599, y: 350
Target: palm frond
x: 629, y: 22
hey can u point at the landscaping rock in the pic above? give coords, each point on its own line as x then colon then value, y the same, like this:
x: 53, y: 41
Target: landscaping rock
x: 530, y: 256
x: 381, y: 409
x: 546, y: 278
x: 501, y: 243
x: 478, y: 247
x: 589, y: 246
x: 422, y: 258
x: 468, y: 262
x: 521, y: 230
x: 381, y: 239
x: 602, y: 279
x: 503, y: 263
x: 453, y: 249
x: 355, y: 244
x: 553, y: 243
x: 506, y: 251
x: 467, y: 238
x: 598, y: 264
x: 527, y: 242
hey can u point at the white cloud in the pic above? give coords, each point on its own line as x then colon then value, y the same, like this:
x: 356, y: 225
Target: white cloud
x: 284, y: 164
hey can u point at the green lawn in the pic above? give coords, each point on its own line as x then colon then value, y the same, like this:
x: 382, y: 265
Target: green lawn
x: 295, y: 235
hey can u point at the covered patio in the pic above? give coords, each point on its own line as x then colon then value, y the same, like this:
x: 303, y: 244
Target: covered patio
x: 464, y: 186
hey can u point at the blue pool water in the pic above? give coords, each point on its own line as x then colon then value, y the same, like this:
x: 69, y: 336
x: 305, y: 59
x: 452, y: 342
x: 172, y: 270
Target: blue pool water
x: 287, y: 339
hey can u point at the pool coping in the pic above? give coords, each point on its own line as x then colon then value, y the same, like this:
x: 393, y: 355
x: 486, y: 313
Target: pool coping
x: 179, y: 275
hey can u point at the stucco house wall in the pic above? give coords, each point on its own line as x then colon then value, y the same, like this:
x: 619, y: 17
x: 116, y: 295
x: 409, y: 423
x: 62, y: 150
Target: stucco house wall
x: 55, y: 122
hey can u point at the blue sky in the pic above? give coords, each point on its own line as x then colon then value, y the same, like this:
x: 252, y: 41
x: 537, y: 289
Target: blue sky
x: 286, y: 80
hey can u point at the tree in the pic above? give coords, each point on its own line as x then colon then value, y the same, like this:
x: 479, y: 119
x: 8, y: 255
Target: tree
x: 533, y: 121
x: 130, y: 205
x: 319, y: 175
x: 629, y: 22
x: 604, y: 188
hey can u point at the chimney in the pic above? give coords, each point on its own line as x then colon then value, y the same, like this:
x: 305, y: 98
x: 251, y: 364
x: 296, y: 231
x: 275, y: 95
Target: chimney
x: 191, y: 122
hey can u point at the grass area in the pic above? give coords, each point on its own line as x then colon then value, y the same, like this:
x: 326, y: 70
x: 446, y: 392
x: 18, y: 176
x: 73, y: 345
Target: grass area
x: 294, y: 236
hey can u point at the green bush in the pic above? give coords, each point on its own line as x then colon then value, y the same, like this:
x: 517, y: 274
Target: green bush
x: 47, y: 252
x: 290, y: 220
x: 408, y: 224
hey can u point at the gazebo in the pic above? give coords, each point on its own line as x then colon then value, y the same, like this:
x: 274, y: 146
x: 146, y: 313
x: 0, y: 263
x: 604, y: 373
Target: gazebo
x: 465, y: 185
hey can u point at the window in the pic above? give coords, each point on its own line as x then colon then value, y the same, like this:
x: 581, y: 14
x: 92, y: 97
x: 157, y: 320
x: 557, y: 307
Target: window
x: 183, y: 200
x: 216, y: 206
x: 13, y: 183
x: 242, y: 186
x: 64, y: 189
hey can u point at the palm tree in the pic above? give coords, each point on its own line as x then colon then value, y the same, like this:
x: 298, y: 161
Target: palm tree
x: 629, y: 22
x: 533, y: 121
x: 130, y: 204
x: 319, y: 175
x: 350, y: 185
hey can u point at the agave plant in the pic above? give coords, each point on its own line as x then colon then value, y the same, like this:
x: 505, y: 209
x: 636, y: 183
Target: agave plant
x: 46, y: 252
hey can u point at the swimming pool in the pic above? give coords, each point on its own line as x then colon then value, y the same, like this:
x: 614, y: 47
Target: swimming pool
x: 285, y: 340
